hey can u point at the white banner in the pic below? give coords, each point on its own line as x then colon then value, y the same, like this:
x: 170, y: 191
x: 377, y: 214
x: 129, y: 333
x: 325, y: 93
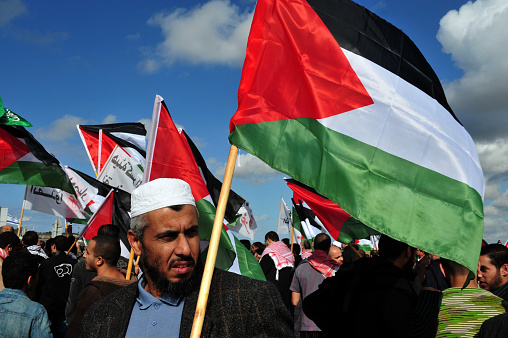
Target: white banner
x: 53, y: 201
x: 121, y: 171
x: 285, y: 219
x: 88, y: 195
x: 246, y: 224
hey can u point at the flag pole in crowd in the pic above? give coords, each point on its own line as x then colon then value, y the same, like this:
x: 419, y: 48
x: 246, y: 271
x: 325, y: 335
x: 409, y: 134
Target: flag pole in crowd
x: 199, y: 315
x: 22, y: 211
x: 129, y: 267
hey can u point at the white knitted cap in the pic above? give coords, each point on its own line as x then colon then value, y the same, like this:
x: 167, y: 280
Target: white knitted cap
x: 160, y: 193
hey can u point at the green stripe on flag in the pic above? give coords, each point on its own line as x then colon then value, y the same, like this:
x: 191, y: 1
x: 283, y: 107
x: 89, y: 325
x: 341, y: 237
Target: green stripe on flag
x: 383, y: 191
x: 225, y: 254
x: 36, y: 173
x: 249, y: 267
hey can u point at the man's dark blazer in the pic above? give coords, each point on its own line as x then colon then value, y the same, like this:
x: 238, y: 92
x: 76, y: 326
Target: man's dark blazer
x: 237, y: 306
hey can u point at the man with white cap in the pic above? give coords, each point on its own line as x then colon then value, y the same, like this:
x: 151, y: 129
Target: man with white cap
x: 164, y: 232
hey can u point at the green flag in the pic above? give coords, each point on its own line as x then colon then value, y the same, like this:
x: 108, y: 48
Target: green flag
x: 12, y: 119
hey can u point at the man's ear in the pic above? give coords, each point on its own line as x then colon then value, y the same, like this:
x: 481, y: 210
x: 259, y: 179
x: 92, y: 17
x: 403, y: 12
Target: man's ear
x: 504, y: 270
x: 134, y: 242
x: 442, y: 270
x: 100, y: 261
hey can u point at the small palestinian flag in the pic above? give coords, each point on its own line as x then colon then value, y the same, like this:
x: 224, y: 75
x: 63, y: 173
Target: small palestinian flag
x: 24, y: 160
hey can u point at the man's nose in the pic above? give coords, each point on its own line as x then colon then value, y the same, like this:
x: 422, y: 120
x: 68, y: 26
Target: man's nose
x: 182, y: 246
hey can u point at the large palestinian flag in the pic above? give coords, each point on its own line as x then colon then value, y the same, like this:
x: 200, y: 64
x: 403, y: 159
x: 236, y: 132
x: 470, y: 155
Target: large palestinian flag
x: 169, y: 155
x: 23, y: 160
x: 345, y: 103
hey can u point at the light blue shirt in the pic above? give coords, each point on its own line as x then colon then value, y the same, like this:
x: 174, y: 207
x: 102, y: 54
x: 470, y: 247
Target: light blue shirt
x: 155, y: 317
x: 21, y: 317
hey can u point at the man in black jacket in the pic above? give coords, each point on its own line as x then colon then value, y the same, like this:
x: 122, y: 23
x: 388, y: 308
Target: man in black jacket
x: 385, y: 283
x: 55, y: 279
x: 164, y: 233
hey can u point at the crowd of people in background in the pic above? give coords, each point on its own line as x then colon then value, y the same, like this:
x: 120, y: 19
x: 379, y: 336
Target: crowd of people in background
x: 326, y: 287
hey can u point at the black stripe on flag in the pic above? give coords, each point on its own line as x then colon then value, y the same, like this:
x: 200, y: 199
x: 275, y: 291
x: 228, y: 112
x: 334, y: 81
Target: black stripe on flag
x: 364, y: 33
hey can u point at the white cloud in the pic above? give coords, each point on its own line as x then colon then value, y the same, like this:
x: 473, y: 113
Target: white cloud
x: 249, y: 169
x: 495, y: 229
x: 493, y: 156
x: 476, y: 38
x: 492, y: 190
x: 134, y: 37
x: 264, y: 217
x: 213, y: 33
x: 148, y: 125
x: 10, y: 9
x: 109, y: 119
x: 60, y: 129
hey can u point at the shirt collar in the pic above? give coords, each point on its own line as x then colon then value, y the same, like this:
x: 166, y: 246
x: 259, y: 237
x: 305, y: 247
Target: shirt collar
x: 145, y: 299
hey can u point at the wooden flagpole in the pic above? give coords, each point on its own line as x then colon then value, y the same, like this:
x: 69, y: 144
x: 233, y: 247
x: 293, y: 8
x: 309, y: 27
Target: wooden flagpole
x: 292, y: 236
x: 199, y: 315
x: 73, y: 244
x: 129, y: 267
x: 22, y: 211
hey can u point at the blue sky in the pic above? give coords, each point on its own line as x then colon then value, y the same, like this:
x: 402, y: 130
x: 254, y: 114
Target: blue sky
x: 68, y: 63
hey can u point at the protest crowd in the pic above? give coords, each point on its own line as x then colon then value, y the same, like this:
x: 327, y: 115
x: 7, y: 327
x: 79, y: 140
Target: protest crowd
x: 160, y: 259
x: 321, y: 288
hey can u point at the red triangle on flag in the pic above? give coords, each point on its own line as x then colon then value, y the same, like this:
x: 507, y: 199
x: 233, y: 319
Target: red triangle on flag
x: 11, y: 149
x: 329, y: 213
x: 103, y: 215
x: 91, y: 141
x: 107, y: 147
x: 172, y: 157
x: 288, y: 73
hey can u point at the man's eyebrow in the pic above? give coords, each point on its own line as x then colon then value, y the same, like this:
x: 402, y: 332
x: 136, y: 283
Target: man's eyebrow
x: 193, y: 228
x: 171, y: 233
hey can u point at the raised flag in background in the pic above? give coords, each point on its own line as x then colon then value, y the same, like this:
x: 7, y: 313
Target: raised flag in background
x: 285, y: 219
x: 339, y: 223
x: 334, y: 84
x: 25, y: 161
x: 100, y: 140
x: 53, y: 201
x: 169, y: 155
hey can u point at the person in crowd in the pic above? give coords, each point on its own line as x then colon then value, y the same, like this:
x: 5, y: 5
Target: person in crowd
x: 349, y: 256
x: 306, y: 249
x: 386, y: 284
x: 495, y: 327
x: 335, y: 252
x: 6, y: 228
x: 463, y: 310
x: 246, y: 243
x: 9, y: 242
x: 277, y: 263
x: 309, y: 274
x: 374, y: 253
x: 81, y: 276
x: 493, y: 272
x: 257, y: 249
x: 165, y: 234
x: 47, y: 248
x: 434, y: 277
x: 20, y: 316
x: 101, y: 255
x: 422, y: 261
x: 296, y: 255
x: 55, y: 279
x: 31, y: 241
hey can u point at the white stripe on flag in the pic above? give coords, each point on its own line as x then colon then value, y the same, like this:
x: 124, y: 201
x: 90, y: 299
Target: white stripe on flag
x: 406, y: 122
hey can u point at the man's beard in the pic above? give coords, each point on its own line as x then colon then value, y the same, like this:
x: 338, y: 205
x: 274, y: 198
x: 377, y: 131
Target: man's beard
x: 166, y: 287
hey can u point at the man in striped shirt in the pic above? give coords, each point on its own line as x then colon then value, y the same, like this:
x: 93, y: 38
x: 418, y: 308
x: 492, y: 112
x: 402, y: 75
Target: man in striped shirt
x: 463, y: 310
